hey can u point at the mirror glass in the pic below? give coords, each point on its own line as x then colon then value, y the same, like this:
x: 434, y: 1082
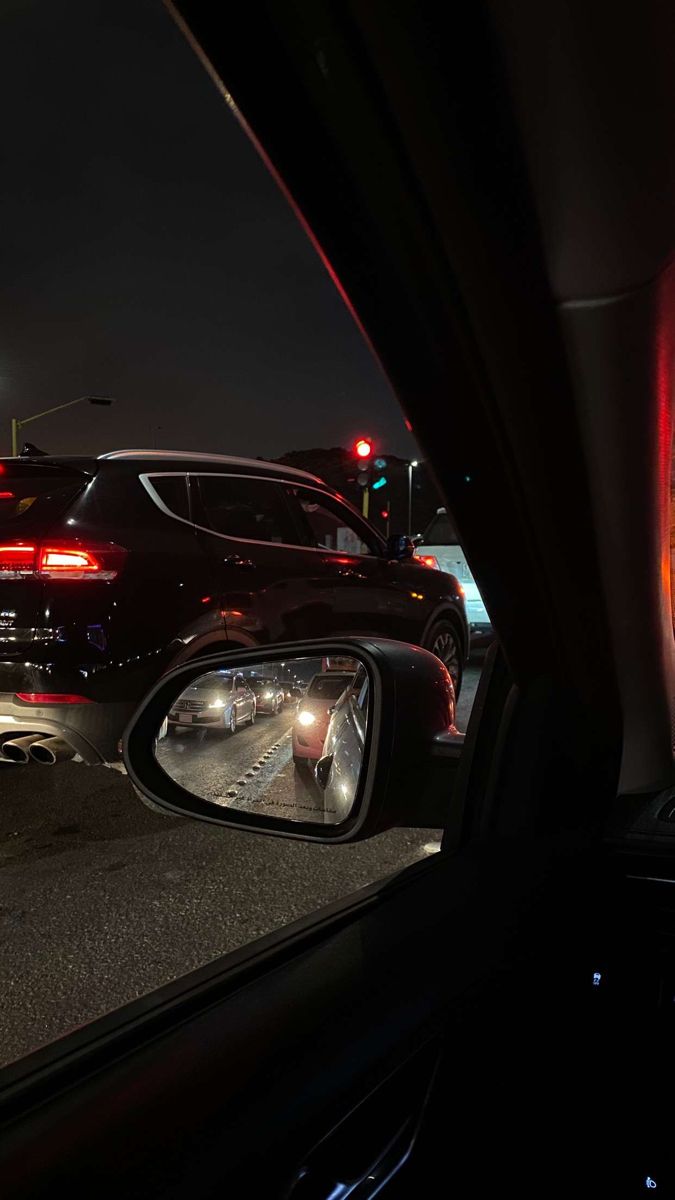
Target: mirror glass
x: 279, y: 738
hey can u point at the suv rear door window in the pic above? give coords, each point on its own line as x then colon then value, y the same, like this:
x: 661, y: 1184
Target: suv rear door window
x: 239, y: 506
x: 328, y: 525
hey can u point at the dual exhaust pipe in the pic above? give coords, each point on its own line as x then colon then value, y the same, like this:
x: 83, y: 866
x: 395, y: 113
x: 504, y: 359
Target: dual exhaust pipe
x: 38, y: 748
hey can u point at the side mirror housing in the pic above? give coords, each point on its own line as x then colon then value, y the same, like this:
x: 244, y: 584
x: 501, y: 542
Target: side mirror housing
x: 381, y: 736
x: 400, y: 547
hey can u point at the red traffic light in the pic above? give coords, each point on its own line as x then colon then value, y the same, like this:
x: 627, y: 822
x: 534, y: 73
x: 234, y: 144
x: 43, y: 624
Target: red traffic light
x: 363, y: 448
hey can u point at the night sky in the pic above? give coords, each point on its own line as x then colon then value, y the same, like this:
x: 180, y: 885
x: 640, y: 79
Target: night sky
x: 147, y: 255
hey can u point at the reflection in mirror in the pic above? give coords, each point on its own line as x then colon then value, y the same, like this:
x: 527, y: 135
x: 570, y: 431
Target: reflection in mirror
x: 283, y: 738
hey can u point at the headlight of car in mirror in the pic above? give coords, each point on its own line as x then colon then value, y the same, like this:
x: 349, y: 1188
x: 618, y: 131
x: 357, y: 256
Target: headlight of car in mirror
x: 360, y: 753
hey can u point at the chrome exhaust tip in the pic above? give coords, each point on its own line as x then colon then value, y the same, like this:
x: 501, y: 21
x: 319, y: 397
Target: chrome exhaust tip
x: 16, y: 749
x: 50, y: 750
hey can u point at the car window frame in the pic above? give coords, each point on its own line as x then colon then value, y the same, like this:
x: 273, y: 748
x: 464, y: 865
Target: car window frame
x: 333, y: 506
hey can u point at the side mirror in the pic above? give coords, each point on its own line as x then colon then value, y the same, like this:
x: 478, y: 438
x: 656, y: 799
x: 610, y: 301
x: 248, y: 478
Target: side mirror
x: 323, y: 770
x: 191, y: 752
x: 400, y: 547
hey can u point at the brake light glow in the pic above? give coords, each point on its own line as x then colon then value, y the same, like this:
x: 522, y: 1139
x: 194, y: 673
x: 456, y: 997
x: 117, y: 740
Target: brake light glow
x: 6, y: 495
x: 55, y: 558
x: 51, y: 698
x: 428, y: 560
x: 67, y: 560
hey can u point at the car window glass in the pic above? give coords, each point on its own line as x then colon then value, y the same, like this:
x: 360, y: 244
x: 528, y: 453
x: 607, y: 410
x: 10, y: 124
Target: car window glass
x: 247, y: 508
x: 440, y: 532
x: 173, y: 493
x: 173, y: 276
x: 328, y: 525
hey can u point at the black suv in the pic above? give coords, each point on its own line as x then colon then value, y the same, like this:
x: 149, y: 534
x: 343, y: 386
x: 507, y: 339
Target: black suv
x: 114, y: 569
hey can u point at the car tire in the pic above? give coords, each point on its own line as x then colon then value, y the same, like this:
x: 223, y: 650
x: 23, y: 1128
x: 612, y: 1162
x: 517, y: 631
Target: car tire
x: 444, y: 641
x: 232, y: 724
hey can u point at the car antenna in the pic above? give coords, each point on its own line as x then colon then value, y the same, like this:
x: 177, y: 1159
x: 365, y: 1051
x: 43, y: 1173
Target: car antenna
x: 31, y: 451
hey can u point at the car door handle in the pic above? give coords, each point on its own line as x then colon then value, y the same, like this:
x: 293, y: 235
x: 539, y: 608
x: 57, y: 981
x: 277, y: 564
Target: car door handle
x: 368, y: 1148
x: 311, y: 1185
x: 235, y: 560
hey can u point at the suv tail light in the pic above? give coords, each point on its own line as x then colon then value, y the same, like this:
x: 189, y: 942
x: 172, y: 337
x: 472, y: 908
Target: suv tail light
x: 16, y: 559
x: 71, y: 560
x: 52, y: 698
x: 428, y: 560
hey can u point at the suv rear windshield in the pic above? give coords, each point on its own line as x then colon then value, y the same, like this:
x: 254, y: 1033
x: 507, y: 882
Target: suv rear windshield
x: 42, y: 492
x: 441, y: 532
x: 329, y: 687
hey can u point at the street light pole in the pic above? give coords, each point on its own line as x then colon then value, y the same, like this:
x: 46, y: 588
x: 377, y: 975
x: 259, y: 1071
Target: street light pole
x: 411, y: 464
x: 17, y: 424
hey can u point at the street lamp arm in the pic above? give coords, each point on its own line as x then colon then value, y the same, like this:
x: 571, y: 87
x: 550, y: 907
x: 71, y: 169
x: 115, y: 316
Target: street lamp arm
x: 21, y: 421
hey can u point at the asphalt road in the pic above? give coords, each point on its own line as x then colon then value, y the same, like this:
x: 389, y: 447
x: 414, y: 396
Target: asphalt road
x: 103, y: 900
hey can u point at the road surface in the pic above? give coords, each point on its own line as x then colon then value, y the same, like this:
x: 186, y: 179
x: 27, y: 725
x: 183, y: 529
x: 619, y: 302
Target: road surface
x: 250, y: 771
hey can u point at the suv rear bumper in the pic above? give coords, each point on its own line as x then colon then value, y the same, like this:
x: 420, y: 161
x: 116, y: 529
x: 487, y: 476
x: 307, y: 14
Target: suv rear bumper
x: 93, y: 730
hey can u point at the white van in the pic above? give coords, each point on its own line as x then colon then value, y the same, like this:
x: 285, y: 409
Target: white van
x: 440, y: 548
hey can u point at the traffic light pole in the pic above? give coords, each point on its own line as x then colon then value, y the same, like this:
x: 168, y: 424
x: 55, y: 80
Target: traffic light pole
x: 365, y: 501
x: 411, y: 465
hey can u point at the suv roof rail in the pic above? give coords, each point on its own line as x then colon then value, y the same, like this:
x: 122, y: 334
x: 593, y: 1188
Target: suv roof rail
x: 215, y: 458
